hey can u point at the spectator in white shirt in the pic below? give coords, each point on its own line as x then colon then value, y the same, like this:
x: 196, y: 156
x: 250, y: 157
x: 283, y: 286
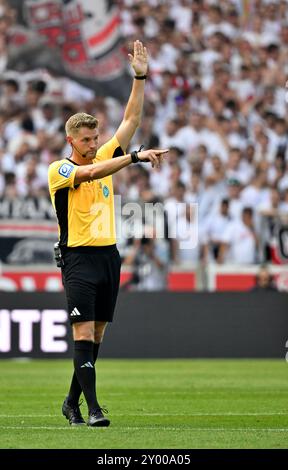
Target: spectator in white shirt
x: 214, y: 229
x: 257, y: 192
x: 235, y: 203
x: 239, y: 241
x: 190, y: 237
x: 236, y: 167
x: 170, y: 137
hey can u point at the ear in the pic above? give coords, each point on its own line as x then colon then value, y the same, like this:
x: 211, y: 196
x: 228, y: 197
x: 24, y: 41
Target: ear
x: 69, y: 139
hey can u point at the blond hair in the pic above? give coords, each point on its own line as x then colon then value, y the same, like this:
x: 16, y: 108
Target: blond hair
x: 79, y: 120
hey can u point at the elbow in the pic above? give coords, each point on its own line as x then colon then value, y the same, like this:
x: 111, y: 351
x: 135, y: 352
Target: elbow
x: 92, y: 174
x: 95, y: 174
x: 137, y: 122
x: 88, y: 173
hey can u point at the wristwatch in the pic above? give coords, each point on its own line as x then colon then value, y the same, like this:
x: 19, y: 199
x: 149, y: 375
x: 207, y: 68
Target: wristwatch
x: 134, y: 156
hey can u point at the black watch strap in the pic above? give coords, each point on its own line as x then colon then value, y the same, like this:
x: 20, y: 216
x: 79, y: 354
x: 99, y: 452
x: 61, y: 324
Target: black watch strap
x: 134, y: 156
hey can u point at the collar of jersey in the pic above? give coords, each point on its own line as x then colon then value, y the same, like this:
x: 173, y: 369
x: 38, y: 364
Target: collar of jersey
x: 74, y: 163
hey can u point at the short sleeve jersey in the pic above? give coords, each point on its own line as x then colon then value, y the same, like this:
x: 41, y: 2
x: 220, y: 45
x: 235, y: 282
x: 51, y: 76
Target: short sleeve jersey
x: 85, y: 212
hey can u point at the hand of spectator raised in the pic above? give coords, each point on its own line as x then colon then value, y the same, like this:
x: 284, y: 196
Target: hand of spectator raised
x: 139, y: 59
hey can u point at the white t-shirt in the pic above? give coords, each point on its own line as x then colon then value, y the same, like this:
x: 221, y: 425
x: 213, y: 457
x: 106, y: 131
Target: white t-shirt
x: 253, y: 197
x: 283, y: 182
x: 183, y: 17
x: 242, y: 243
x: 216, y: 226
x: 190, y: 238
x: 235, y: 208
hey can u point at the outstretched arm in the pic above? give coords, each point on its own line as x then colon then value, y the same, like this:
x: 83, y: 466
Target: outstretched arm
x: 133, y: 111
x: 108, y: 167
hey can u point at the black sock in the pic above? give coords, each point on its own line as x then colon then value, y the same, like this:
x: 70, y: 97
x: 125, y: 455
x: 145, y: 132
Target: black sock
x: 75, y: 388
x: 85, y: 371
x: 95, y: 351
x: 75, y: 391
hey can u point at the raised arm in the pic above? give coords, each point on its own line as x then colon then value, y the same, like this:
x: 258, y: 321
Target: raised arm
x: 133, y: 111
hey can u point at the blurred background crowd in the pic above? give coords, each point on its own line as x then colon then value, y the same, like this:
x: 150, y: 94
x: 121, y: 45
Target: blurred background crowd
x: 215, y: 96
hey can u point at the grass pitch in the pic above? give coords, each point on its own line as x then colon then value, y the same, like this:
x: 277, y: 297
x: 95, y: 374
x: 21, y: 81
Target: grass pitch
x: 153, y: 404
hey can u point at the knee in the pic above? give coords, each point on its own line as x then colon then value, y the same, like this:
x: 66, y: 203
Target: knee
x: 99, y: 333
x: 83, y: 332
x: 84, y: 337
x: 98, y: 336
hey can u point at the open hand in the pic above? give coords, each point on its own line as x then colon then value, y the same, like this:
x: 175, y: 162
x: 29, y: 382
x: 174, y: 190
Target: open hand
x: 139, y: 59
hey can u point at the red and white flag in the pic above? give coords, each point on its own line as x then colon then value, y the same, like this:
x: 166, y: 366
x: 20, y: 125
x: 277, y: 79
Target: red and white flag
x: 86, y: 35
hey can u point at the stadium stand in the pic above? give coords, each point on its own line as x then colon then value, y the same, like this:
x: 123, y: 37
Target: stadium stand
x: 215, y: 95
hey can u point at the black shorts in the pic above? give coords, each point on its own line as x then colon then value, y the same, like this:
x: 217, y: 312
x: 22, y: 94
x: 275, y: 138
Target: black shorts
x: 91, y: 278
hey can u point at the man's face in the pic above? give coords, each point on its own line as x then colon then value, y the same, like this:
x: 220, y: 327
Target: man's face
x: 247, y: 219
x: 224, y: 208
x: 263, y: 278
x: 148, y: 246
x: 234, y: 191
x: 85, y: 141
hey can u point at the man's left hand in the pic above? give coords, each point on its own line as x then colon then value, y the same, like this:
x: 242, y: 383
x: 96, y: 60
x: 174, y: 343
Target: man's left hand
x: 139, y: 59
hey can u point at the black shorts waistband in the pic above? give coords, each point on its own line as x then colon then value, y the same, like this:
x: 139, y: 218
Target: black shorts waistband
x: 89, y: 249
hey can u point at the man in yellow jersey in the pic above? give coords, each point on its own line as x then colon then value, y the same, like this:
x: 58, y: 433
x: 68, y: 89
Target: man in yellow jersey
x: 82, y: 195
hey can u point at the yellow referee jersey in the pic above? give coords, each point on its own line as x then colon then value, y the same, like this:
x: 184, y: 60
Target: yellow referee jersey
x: 85, y: 212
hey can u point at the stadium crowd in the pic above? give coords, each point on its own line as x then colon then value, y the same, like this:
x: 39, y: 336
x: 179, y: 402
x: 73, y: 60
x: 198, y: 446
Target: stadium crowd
x: 215, y: 96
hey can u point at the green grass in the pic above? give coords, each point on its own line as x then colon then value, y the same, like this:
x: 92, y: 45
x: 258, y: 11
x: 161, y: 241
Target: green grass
x: 172, y: 404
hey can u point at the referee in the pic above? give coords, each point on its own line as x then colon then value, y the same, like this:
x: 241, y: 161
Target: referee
x: 81, y: 191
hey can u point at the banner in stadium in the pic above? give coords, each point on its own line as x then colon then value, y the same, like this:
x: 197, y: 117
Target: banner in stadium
x: 34, y: 333
x: 79, y: 38
x: 26, y: 242
x: 254, y: 325
x: 48, y: 279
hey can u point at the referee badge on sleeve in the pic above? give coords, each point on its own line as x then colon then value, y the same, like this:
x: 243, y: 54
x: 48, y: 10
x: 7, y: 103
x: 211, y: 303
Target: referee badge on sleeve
x: 106, y: 191
x: 65, y: 170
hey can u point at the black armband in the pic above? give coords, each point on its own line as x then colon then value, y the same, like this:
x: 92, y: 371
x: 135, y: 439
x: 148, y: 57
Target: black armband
x: 140, y: 77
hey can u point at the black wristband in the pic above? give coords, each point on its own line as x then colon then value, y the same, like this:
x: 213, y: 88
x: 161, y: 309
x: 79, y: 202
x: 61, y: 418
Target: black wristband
x: 140, y: 77
x: 134, y: 157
